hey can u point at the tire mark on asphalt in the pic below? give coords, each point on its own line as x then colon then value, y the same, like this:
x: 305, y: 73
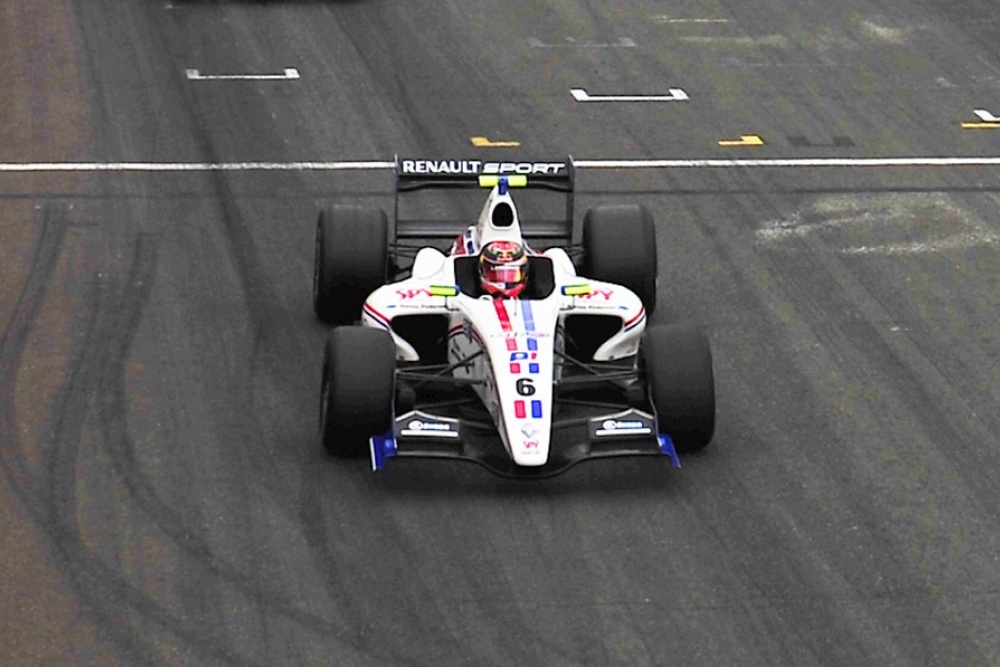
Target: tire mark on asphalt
x: 96, y: 376
x: 357, y: 627
x: 273, y: 332
x: 38, y: 491
x: 96, y: 382
x: 834, y: 289
x: 784, y: 588
x: 15, y: 337
x: 125, y: 461
x: 114, y: 306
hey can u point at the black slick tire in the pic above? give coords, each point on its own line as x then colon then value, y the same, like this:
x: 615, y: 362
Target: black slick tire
x: 350, y: 261
x: 677, y: 361
x: 356, y: 396
x: 620, y: 247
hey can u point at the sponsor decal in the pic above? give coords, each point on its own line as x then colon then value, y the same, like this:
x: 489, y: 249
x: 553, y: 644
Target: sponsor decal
x: 526, y: 168
x: 530, y: 430
x: 624, y: 424
x: 531, y: 444
x: 441, y: 166
x: 594, y: 294
x: 429, y: 429
x: 476, y: 167
x: 417, y: 293
x: 622, y: 427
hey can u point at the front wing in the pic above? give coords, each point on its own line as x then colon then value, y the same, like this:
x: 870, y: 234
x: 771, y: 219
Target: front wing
x: 419, y: 434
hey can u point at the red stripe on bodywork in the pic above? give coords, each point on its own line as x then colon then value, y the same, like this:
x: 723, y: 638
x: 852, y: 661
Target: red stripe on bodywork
x: 498, y: 305
x: 377, y: 316
x: 642, y: 311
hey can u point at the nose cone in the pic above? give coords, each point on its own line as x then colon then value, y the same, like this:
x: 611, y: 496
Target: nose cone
x: 529, y: 442
x: 530, y: 459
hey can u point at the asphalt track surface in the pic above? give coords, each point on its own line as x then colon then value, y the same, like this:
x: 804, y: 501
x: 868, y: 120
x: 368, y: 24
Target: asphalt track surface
x: 163, y: 499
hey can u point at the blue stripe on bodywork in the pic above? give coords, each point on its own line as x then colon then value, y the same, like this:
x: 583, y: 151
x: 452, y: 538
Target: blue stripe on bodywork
x: 529, y: 325
x: 529, y: 317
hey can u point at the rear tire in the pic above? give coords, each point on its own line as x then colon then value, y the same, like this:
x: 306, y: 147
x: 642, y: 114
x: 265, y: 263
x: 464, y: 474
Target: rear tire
x: 620, y: 247
x: 350, y: 263
x: 677, y: 361
x: 356, y: 398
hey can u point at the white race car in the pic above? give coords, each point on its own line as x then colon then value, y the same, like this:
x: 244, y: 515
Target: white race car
x: 493, y: 349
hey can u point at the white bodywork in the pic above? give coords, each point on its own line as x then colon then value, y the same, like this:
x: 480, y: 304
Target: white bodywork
x: 519, y: 337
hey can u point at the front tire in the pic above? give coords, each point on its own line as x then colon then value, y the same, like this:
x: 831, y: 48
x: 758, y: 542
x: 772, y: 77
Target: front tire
x: 619, y: 244
x: 350, y: 263
x: 677, y: 361
x: 356, y: 398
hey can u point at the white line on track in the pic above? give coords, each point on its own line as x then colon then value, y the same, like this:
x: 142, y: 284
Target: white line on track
x: 571, y: 43
x: 20, y: 167
x: 192, y: 166
x: 662, y: 18
x: 290, y: 73
x: 791, y: 162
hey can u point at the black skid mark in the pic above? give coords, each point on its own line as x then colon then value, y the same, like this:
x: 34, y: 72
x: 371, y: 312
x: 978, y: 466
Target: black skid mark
x: 15, y: 337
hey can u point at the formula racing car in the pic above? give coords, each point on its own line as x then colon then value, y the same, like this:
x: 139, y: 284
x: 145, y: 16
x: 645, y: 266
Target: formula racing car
x: 516, y: 343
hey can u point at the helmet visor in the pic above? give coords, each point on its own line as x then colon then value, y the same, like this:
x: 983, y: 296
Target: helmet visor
x: 505, y: 273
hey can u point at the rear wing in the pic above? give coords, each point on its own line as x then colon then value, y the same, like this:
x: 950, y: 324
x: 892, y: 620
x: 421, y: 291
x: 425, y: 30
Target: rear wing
x: 413, y: 175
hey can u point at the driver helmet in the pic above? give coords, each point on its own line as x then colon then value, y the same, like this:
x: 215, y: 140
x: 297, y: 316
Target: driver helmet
x: 503, y: 268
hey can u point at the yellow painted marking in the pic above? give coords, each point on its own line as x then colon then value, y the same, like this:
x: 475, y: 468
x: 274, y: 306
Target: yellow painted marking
x: 484, y: 142
x: 744, y: 140
x: 981, y: 126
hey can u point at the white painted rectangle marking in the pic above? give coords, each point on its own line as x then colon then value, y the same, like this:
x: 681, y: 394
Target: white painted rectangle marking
x: 673, y: 95
x: 289, y: 74
x: 986, y: 116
